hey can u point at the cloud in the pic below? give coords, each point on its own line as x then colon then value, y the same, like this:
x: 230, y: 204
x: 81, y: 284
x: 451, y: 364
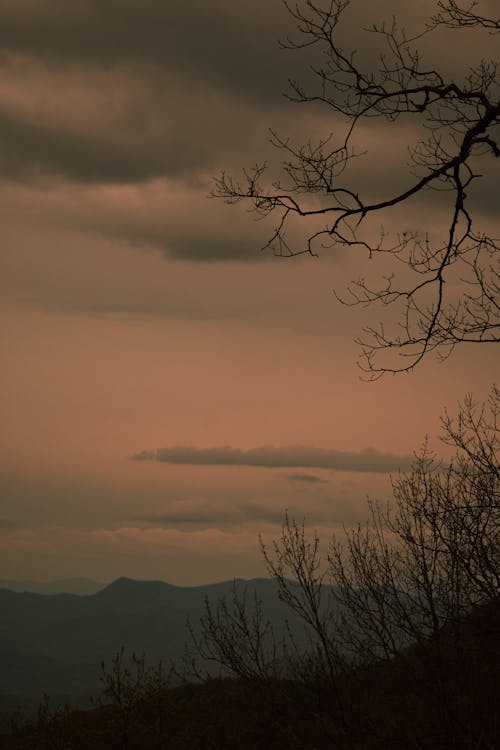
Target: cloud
x: 222, y: 43
x: 121, y: 93
x: 166, y: 215
x: 208, y: 514
x: 190, y: 511
x: 214, y: 43
x: 95, y: 125
x: 368, y: 460
x: 124, y: 90
x: 306, y: 478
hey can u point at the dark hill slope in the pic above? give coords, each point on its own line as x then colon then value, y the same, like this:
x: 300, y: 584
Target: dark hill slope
x: 450, y: 704
x: 57, y: 642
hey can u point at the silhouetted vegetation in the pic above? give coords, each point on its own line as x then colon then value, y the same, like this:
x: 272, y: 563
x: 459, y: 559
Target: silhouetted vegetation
x: 401, y: 610
x: 381, y: 707
x: 399, y: 645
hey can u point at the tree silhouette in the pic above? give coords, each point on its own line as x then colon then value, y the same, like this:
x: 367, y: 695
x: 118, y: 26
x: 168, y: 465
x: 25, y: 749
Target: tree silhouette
x: 445, y: 288
x: 405, y: 594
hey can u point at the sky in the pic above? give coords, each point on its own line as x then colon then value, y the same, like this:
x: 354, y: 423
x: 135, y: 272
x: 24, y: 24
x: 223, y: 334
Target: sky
x: 167, y: 389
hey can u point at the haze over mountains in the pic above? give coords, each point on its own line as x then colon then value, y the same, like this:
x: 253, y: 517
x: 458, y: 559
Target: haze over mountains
x: 57, y: 642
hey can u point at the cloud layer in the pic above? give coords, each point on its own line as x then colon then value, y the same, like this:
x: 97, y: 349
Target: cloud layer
x: 133, y: 93
x: 269, y: 456
x: 132, y: 316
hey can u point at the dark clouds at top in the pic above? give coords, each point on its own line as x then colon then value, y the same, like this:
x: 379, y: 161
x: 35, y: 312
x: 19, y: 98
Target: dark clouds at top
x: 92, y: 125
x: 177, y: 50
x: 116, y: 93
x: 175, y: 85
x: 231, y: 45
x: 196, y: 80
x: 223, y: 43
x: 122, y: 92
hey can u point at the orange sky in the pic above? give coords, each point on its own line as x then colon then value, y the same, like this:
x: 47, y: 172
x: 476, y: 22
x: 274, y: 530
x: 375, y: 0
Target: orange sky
x: 136, y: 314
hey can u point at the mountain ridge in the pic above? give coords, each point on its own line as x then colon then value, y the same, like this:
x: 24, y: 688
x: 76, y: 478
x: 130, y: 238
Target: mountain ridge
x: 76, y: 585
x: 60, y: 640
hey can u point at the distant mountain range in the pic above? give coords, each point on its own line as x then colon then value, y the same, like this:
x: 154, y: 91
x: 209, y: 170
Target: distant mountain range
x: 55, y: 643
x: 82, y: 586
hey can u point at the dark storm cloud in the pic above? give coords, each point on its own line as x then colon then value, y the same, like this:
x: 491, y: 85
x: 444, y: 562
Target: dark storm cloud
x: 129, y: 90
x: 126, y: 92
x: 122, y: 128
x: 227, y: 44
x: 204, y: 244
x: 151, y: 69
x: 30, y: 147
x: 212, y: 248
x: 368, y: 460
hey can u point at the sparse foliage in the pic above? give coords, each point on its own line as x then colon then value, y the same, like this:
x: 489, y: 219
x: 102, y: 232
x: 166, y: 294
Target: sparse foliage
x: 398, y: 592
x: 237, y: 638
x: 52, y: 725
x: 132, y: 689
x: 445, y: 287
x: 422, y: 564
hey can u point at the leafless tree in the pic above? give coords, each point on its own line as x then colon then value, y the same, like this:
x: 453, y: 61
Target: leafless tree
x: 420, y: 565
x: 398, y: 591
x: 408, y: 582
x: 132, y: 688
x: 446, y: 288
x: 237, y: 638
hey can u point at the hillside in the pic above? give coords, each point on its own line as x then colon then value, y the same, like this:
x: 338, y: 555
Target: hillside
x: 81, y: 586
x: 399, y: 704
x: 55, y: 644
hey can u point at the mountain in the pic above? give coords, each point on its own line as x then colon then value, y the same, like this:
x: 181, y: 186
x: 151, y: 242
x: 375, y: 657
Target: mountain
x: 443, y: 692
x: 55, y: 643
x: 82, y: 586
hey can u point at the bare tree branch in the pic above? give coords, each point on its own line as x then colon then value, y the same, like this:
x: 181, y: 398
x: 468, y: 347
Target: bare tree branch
x: 451, y: 292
